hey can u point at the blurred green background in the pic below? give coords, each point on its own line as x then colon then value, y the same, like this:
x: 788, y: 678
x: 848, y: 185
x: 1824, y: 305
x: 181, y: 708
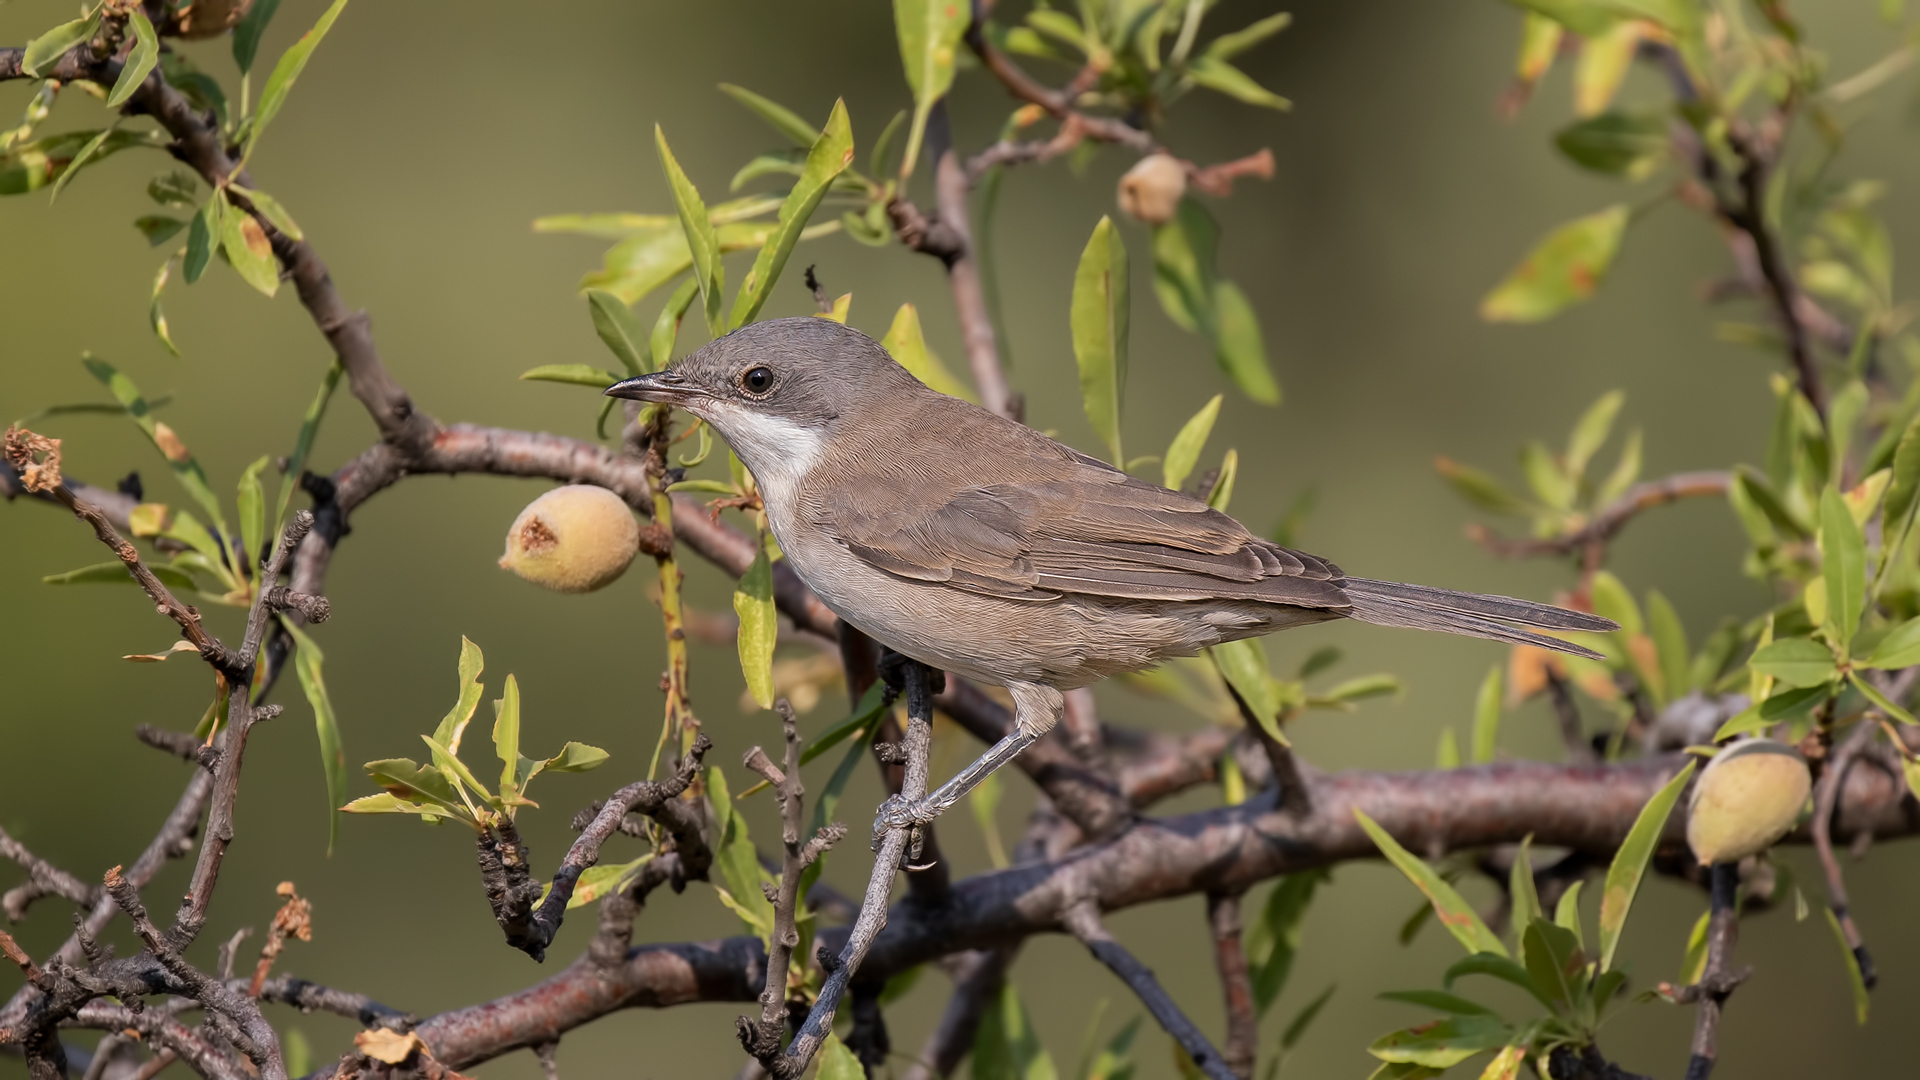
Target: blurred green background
x: 415, y: 151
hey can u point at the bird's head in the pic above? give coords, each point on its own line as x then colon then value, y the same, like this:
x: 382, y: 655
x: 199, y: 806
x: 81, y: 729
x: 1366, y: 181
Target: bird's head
x: 776, y: 390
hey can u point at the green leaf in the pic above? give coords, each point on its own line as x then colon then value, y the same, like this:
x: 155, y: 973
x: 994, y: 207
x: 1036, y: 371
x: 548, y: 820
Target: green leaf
x: 303, y: 445
x: 865, y: 712
x: 1443, y: 1044
x: 246, y: 33
x: 574, y: 757
x: 1297, y: 1027
x: 1612, y: 600
x: 572, y: 374
x: 1099, y: 318
x: 1447, y: 755
x: 832, y: 152
x: 614, y: 321
x: 1670, y: 643
x: 1588, y: 18
x: 156, y: 318
x: 1843, y: 566
x: 55, y: 43
x: 907, y: 344
x: 307, y: 661
x: 1216, y: 74
x: 285, y: 73
x: 1521, y: 892
x: 140, y: 61
x: 1273, y: 940
x: 252, y: 502
x: 597, y: 882
x: 839, y: 1063
x: 1243, y: 664
x: 387, y: 803
x: 1481, y: 489
x: 666, y: 328
x: 1843, y: 418
x: 702, y: 242
x: 1630, y: 864
x: 269, y: 207
x: 929, y: 32
x: 1885, y: 703
x: 1455, y: 913
x: 1439, y: 1001
x: 1624, y: 144
x: 1906, y: 479
x: 1115, y: 1060
x: 1899, y: 649
x: 203, y: 236
x: 506, y: 739
x: 158, y: 229
x: 1228, y: 46
x: 1796, y: 662
x: 1486, y: 717
x: 778, y: 116
x: 1861, y: 1002
x: 1241, y: 351
x: 1591, y: 431
x: 1556, y: 964
x: 1566, y: 914
x: 739, y: 864
x: 1551, y: 483
x: 1185, y: 449
x: 80, y: 160
x: 1006, y: 1047
x: 1565, y: 267
x: 1624, y: 473
x: 1499, y: 966
x: 1222, y: 491
x: 116, y: 573
x: 753, y: 603
x: 249, y: 250
x: 185, y: 468
x: 454, y: 724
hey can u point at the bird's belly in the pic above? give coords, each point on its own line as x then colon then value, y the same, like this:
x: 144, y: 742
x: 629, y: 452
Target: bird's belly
x: 1065, y: 643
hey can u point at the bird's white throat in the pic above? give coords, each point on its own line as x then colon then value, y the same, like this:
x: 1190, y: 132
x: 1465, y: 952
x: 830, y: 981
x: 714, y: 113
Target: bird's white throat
x: 778, y: 451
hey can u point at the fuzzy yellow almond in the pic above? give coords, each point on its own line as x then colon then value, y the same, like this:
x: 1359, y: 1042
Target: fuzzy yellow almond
x: 573, y: 539
x: 1749, y: 796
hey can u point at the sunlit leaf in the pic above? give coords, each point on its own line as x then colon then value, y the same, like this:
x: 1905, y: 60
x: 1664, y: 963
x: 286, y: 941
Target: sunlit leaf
x: 702, y: 242
x: 1861, y: 1002
x: 1184, y: 451
x: 1603, y: 64
x: 303, y: 445
x: 759, y: 628
x: 666, y: 328
x: 929, y: 33
x: 830, y: 155
x: 1797, y: 662
x: 1843, y: 566
x: 140, y: 61
x: 573, y: 374
x: 778, y: 116
x: 1630, y: 863
x: 1486, y: 717
x: 1243, y: 664
x: 279, y: 84
x: 1216, y: 74
x: 839, y: 1063
x: 269, y: 207
x: 1443, y: 1044
x: 307, y: 661
x: 1099, y: 320
x: 1565, y: 267
x: 1454, y: 912
x: 55, y: 43
x: 908, y: 346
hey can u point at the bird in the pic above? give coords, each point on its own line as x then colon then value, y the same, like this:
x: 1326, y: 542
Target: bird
x: 976, y: 545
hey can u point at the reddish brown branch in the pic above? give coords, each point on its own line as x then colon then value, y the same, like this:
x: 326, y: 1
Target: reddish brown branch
x: 1609, y: 520
x: 1236, y: 985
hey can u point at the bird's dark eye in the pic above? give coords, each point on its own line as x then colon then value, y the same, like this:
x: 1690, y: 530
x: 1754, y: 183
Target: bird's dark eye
x: 757, y: 380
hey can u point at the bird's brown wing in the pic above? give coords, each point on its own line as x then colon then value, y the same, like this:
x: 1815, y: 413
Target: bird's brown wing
x: 1077, y: 527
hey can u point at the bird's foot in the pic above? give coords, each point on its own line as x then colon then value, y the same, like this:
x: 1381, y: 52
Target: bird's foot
x: 899, y: 812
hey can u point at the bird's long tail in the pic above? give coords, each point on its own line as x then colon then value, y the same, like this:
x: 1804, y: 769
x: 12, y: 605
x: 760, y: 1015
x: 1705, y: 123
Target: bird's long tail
x: 1500, y: 618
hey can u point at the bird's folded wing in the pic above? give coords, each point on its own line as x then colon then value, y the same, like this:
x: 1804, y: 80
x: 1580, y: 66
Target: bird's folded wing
x: 1089, y: 531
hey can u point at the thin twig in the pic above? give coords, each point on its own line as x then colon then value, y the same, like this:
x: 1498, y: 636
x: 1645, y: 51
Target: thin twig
x: 1230, y: 958
x: 1826, y: 798
x: 43, y: 879
x: 891, y: 846
x: 1717, y: 980
x: 1608, y: 522
x: 1083, y: 921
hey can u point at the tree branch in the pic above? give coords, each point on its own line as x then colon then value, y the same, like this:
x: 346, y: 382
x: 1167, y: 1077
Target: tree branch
x: 1717, y: 980
x: 1243, y: 1027
x: 1608, y: 522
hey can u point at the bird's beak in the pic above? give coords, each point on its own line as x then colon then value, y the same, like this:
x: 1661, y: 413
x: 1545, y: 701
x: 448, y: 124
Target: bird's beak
x: 668, y: 387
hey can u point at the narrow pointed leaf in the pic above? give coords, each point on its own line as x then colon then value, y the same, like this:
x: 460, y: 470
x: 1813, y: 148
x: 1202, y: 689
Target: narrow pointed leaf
x: 292, y: 62
x: 1486, y: 717
x: 1184, y: 452
x: 55, y: 43
x: 246, y: 33
x: 1455, y: 913
x: 697, y: 226
x: 572, y: 374
x: 1843, y: 566
x: 753, y: 603
x: 506, y: 739
x: 830, y: 155
x: 1630, y: 864
x: 140, y: 61
x: 1797, y: 662
x: 1099, y: 318
x: 307, y: 664
x: 1564, y: 268
x: 908, y: 346
x: 778, y: 116
x: 303, y: 445
x: 454, y: 725
x: 614, y: 321
x: 929, y: 33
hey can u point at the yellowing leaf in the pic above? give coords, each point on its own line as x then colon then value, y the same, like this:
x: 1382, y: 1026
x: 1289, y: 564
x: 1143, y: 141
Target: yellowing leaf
x: 1565, y: 267
x: 388, y: 1045
x: 929, y: 32
x: 908, y: 346
x: 759, y: 628
x: 1099, y: 320
x: 1604, y: 60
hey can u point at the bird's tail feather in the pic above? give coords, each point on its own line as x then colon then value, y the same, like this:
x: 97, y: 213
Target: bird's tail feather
x: 1500, y: 618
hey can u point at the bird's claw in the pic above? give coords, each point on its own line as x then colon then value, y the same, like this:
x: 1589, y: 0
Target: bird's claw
x: 899, y: 812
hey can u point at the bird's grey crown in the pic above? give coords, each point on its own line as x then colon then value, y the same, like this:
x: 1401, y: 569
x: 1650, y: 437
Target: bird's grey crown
x: 822, y: 370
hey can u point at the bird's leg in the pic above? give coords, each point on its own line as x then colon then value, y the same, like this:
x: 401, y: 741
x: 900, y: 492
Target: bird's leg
x: 1036, y: 710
